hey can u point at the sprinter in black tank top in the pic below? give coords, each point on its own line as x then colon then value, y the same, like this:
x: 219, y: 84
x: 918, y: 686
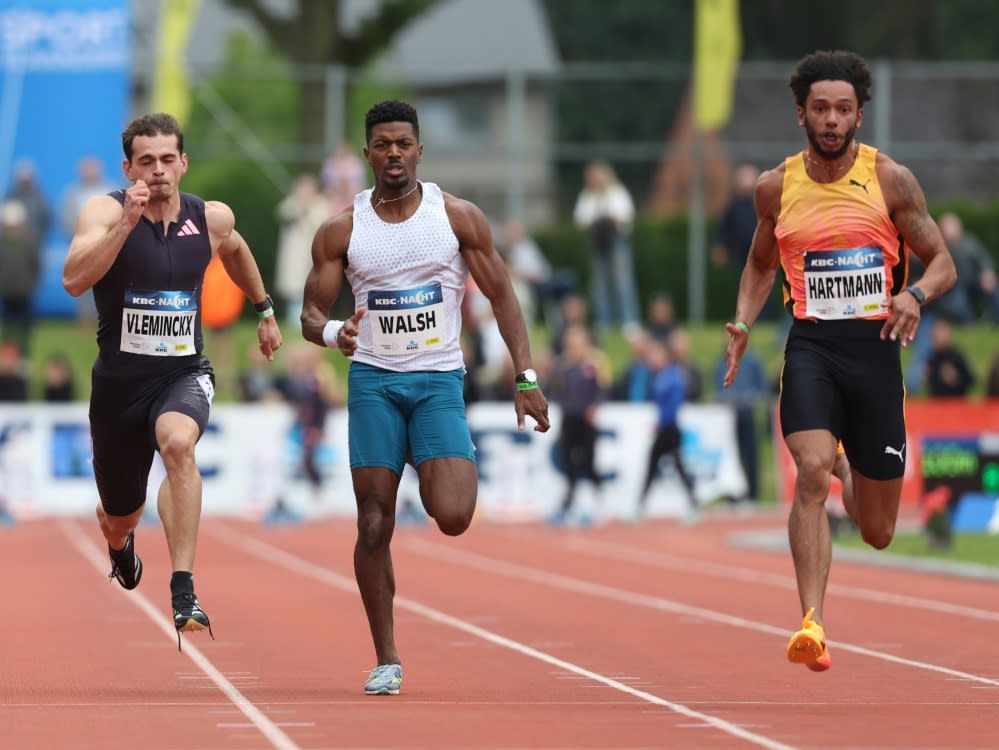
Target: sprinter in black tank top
x: 144, y: 251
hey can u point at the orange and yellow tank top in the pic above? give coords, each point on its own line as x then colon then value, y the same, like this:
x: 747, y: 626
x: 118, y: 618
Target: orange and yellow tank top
x: 842, y: 256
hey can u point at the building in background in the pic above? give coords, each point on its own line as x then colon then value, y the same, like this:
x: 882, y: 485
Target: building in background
x: 484, y: 98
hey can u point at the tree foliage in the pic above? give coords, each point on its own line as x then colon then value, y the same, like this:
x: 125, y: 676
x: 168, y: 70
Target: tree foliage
x: 313, y: 38
x: 600, y: 118
x: 893, y: 30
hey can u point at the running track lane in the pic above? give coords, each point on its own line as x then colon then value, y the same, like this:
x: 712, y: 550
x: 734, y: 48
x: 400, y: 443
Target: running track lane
x: 619, y: 637
x: 914, y: 664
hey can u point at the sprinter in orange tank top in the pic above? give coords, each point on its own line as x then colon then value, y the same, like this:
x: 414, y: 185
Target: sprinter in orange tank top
x: 839, y: 218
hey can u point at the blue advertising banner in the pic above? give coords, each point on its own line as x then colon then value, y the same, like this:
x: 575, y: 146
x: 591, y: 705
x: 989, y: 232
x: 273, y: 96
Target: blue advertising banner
x: 64, y: 98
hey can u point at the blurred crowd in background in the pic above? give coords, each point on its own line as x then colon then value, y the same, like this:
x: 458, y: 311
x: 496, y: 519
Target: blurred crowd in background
x: 575, y: 322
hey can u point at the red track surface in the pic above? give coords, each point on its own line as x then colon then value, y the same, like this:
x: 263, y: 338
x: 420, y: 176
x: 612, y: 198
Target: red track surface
x: 512, y: 636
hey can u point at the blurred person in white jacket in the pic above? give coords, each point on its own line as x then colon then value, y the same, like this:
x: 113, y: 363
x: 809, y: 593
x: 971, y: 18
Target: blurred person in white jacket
x: 605, y: 210
x: 300, y: 213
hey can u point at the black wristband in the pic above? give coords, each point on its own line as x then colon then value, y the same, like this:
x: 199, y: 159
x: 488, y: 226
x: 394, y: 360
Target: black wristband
x: 916, y: 292
x: 264, y: 306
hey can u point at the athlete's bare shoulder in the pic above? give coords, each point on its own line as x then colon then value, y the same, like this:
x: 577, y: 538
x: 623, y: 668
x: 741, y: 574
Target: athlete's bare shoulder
x: 459, y: 207
x: 333, y: 236
x: 898, y: 185
x: 219, y: 217
x: 101, y: 209
x: 468, y: 222
x: 769, y: 187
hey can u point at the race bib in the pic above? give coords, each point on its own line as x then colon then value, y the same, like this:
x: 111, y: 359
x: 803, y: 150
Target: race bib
x: 406, y: 321
x: 160, y: 324
x: 843, y: 284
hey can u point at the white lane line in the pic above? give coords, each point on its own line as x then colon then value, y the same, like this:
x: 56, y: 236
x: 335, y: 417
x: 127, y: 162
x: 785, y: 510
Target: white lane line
x: 98, y: 558
x: 7, y: 708
x: 579, y: 586
x: 733, y: 573
x: 296, y: 564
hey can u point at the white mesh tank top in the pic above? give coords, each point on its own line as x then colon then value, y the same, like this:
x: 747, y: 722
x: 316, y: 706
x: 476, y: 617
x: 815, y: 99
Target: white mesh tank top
x: 411, y: 278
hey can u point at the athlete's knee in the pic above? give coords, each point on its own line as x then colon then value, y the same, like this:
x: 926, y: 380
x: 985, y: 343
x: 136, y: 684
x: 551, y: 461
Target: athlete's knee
x: 814, y: 477
x: 454, y: 520
x: 116, y: 527
x: 880, y: 534
x: 176, y: 449
x: 374, y: 524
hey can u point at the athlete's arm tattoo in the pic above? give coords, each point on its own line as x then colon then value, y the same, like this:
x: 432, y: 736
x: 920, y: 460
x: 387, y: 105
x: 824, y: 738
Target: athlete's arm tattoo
x: 921, y: 233
x: 910, y: 214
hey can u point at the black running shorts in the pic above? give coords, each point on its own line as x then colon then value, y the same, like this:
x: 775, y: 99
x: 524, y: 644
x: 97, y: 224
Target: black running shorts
x: 841, y: 377
x: 123, y: 414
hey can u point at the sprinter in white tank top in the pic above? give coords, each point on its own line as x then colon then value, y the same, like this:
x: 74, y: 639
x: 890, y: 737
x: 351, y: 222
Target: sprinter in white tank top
x: 406, y: 248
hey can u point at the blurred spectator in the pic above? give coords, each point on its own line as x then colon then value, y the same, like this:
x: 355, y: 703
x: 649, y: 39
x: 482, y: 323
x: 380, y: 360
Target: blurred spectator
x: 992, y: 381
x: 258, y: 381
x: 493, y: 366
x: 634, y: 384
x: 312, y: 388
x: 58, y: 384
x: 976, y: 286
x: 525, y: 258
x: 605, y: 210
x: 669, y: 390
x: 736, y: 226
x: 300, y: 213
x: 20, y: 271
x: 660, y: 317
x: 976, y: 276
x: 947, y: 371
x: 748, y: 390
x: 523, y: 289
x: 26, y: 191
x: 91, y: 183
x: 679, y: 352
x: 579, y: 388
x: 343, y: 176
x: 573, y: 310
x: 13, y: 374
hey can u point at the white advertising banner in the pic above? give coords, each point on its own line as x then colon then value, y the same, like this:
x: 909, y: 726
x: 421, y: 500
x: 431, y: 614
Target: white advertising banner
x: 250, y: 459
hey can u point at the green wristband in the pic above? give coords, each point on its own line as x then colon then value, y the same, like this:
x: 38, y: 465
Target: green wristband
x: 742, y: 327
x: 265, y: 313
x: 526, y: 386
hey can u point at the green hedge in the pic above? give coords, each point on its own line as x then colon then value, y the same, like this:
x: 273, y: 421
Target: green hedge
x: 659, y: 249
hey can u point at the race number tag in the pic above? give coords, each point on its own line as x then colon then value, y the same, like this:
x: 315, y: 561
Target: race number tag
x: 843, y: 284
x: 158, y: 323
x: 407, y: 320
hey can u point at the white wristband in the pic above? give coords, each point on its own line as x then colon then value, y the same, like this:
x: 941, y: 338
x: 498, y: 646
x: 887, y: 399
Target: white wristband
x: 330, y: 332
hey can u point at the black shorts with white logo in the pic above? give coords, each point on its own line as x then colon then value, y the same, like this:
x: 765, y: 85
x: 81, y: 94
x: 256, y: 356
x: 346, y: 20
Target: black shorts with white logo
x: 840, y: 376
x: 123, y: 414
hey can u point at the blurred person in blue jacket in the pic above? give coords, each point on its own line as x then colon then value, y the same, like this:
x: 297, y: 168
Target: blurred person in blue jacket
x: 670, y: 391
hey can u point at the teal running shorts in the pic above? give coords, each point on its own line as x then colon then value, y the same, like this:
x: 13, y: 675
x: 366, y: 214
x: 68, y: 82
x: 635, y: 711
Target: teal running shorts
x: 396, y: 415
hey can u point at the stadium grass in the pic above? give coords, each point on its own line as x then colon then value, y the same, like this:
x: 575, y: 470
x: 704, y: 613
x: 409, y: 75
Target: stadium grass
x: 979, y: 548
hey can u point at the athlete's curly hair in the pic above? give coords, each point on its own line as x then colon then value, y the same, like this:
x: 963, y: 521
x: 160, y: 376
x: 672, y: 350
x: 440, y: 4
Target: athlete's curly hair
x: 159, y: 123
x: 391, y: 110
x: 838, y: 65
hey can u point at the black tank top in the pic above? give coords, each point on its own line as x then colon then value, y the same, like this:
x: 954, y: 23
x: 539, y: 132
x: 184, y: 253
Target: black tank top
x: 149, y: 301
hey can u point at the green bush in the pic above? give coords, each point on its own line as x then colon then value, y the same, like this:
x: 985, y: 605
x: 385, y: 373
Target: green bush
x: 660, y: 253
